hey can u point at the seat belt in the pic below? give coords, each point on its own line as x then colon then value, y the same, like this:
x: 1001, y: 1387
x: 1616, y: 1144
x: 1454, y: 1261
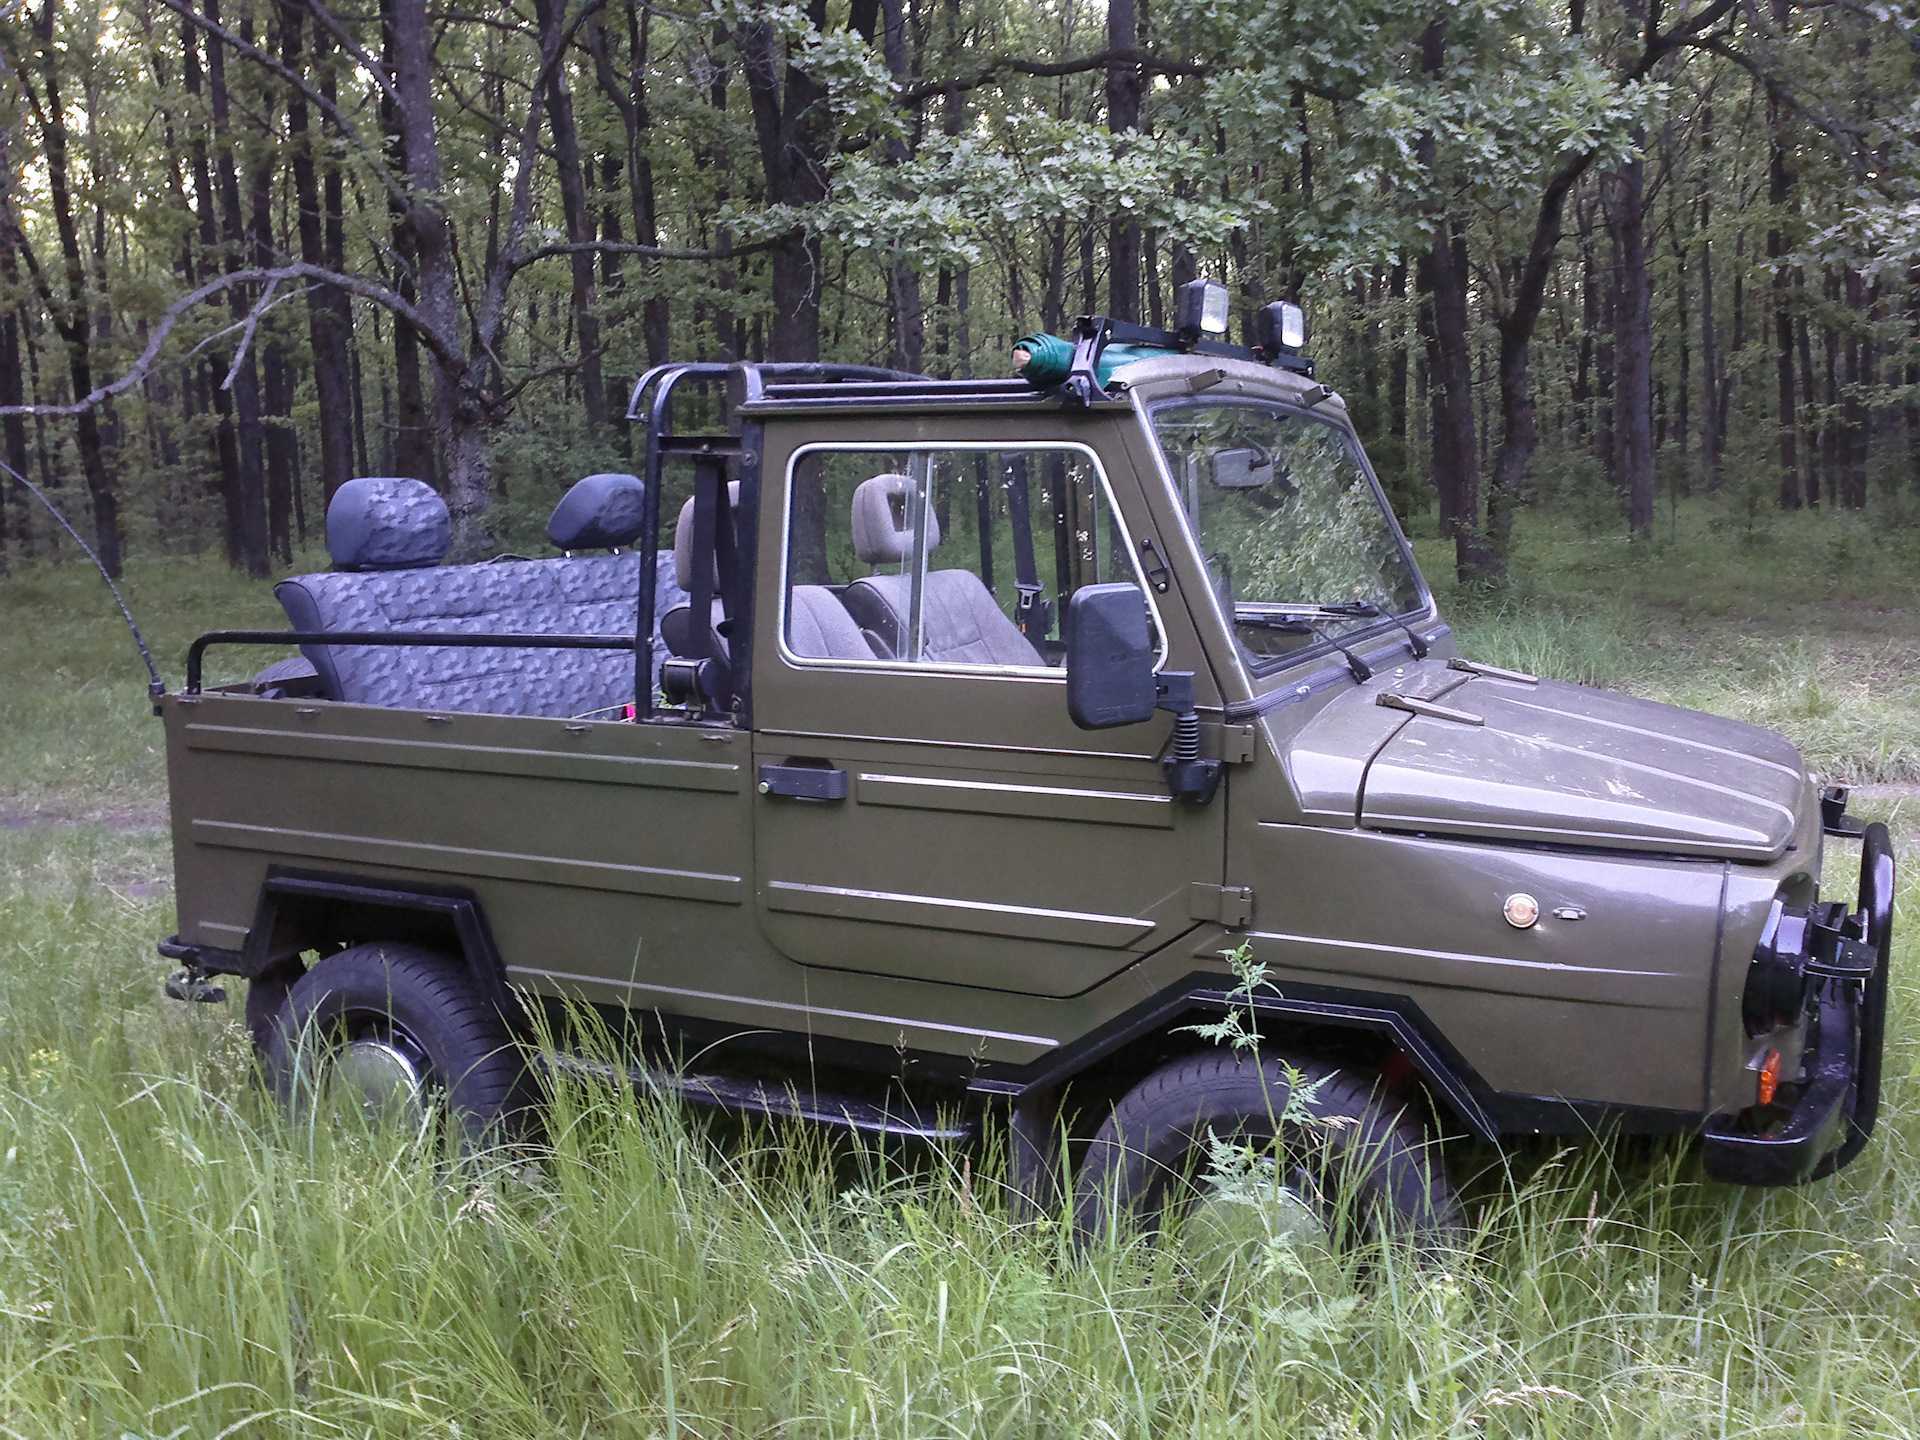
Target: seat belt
x: 1031, y: 613
x: 983, y: 519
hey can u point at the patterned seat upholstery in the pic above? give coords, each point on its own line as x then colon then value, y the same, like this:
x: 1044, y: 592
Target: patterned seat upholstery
x: 386, y: 538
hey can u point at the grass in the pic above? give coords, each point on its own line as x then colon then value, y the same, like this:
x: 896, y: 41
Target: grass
x: 176, y: 1260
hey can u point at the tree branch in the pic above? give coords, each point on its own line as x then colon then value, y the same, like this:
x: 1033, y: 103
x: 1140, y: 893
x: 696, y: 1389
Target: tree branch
x: 326, y: 107
x: 355, y: 51
x: 1049, y: 69
x: 271, y: 277
x: 650, y: 252
x: 247, y: 329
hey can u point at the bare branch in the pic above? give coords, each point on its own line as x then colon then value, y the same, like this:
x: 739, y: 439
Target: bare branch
x: 650, y: 252
x: 344, y: 39
x: 994, y: 69
x: 251, y: 324
x: 441, y: 345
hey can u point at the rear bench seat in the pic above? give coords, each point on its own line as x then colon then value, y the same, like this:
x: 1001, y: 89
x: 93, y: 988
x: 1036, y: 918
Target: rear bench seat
x: 387, y: 537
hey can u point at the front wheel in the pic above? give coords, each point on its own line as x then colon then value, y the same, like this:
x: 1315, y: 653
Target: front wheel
x: 1284, y: 1145
x: 397, y: 1030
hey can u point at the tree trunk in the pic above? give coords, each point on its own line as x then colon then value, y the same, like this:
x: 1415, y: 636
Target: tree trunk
x: 1633, y: 346
x: 226, y: 444
x: 71, y: 312
x: 573, y: 204
x: 276, y: 369
x: 1582, y: 388
x: 1682, y: 306
x: 1913, y: 376
x: 793, y: 131
x: 905, y: 302
x: 1711, y: 435
x: 1779, y: 188
x: 1606, y: 445
x: 1123, y: 118
x: 1401, y: 456
x: 329, y: 313
x: 1810, y: 476
x: 1857, y: 435
x: 1456, y: 464
x: 459, y: 422
x: 13, y: 390
x: 38, y: 387
x: 250, y: 506
x: 656, y: 319
x: 410, y: 437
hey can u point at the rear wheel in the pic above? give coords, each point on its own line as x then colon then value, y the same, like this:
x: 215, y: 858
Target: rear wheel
x: 396, y: 1030
x: 1224, y: 1143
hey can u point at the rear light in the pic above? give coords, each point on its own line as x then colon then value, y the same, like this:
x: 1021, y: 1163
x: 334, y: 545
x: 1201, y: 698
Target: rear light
x: 1769, y: 1080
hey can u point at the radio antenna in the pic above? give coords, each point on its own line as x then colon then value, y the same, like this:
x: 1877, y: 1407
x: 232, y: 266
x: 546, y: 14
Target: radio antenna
x: 156, y: 687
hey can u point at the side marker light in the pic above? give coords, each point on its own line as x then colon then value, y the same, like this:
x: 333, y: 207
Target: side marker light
x: 1521, y: 910
x: 1768, y: 1082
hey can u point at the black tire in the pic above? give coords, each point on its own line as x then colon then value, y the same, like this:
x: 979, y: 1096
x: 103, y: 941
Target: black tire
x: 267, y: 1002
x: 420, y: 1000
x: 1150, y: 1154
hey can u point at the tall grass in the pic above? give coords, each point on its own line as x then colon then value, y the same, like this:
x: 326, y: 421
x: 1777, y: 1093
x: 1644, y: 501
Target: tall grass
x: 178, y: 1260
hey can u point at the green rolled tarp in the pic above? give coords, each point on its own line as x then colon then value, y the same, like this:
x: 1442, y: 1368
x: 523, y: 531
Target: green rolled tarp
x: 1045, y: 359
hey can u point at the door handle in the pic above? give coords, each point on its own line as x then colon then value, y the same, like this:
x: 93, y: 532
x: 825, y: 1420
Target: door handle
x: 803, y: 782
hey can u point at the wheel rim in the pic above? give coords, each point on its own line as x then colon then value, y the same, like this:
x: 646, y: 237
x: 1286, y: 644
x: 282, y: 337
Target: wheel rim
x: 1240, y: 1218
x: 376, y: 1067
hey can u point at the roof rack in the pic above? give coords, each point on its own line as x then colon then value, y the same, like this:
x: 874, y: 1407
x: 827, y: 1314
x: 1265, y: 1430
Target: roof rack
x: 920, y: 388
x: 1092, y: 334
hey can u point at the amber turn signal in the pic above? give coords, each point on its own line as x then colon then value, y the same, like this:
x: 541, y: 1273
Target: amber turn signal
x: 1769, y: 1079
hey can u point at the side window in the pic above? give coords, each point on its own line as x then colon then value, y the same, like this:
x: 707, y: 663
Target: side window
x: 945, y: 556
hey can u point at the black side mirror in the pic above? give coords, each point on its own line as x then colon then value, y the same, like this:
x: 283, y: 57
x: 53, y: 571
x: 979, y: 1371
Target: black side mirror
x: 1110, y: 679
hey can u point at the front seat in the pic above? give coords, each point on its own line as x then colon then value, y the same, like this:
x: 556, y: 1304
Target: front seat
x: 818, y: 626
x: 961, y: 622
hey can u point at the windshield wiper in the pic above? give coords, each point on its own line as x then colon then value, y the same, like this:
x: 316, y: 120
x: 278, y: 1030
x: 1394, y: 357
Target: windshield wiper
x: 1368, y: 610
x: 1298, y: 625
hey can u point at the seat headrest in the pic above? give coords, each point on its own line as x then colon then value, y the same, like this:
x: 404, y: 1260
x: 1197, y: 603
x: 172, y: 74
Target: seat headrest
x: 881, y: 533
x: 387, y: 524
x: 601, y: 512
x: 683, y: 539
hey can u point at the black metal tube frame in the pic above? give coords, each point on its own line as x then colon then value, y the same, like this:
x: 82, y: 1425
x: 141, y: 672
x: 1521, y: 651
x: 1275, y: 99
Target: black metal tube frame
x: 663, y: 381
x: 454, y: 639
x: 1875, y: 918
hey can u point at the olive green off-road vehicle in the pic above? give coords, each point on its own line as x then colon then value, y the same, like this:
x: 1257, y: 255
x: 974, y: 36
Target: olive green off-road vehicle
x: 912, y: 750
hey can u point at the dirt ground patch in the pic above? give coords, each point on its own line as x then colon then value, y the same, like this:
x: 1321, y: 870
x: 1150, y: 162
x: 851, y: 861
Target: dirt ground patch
x: 123, y: 818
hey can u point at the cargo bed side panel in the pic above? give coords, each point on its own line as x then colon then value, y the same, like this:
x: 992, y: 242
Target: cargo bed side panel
x: 577, y: 838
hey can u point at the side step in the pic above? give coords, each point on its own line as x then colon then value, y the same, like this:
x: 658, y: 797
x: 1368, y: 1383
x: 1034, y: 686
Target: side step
x: 741, y: 1096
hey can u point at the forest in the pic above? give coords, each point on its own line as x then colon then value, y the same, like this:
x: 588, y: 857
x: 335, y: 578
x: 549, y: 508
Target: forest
x: 1581, y: 255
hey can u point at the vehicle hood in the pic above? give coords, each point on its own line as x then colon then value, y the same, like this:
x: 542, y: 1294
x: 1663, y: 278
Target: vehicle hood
x: 1566, y: 764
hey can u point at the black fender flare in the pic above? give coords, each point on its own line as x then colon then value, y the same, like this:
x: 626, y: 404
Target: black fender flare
x: 1449, y: 1078
x: 299, y: 910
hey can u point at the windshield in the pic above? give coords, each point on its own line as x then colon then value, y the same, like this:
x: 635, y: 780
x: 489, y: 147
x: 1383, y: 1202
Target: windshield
x: 1297, y: 541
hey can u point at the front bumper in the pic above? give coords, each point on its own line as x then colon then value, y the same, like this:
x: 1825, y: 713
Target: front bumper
x: 1830, y: 1122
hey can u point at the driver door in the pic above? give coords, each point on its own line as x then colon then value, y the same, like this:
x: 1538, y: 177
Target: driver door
x: 925, y: 809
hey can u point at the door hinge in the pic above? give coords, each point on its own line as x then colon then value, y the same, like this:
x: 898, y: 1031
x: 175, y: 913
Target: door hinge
x: 1238, y: 744
x: 1229, y: 905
